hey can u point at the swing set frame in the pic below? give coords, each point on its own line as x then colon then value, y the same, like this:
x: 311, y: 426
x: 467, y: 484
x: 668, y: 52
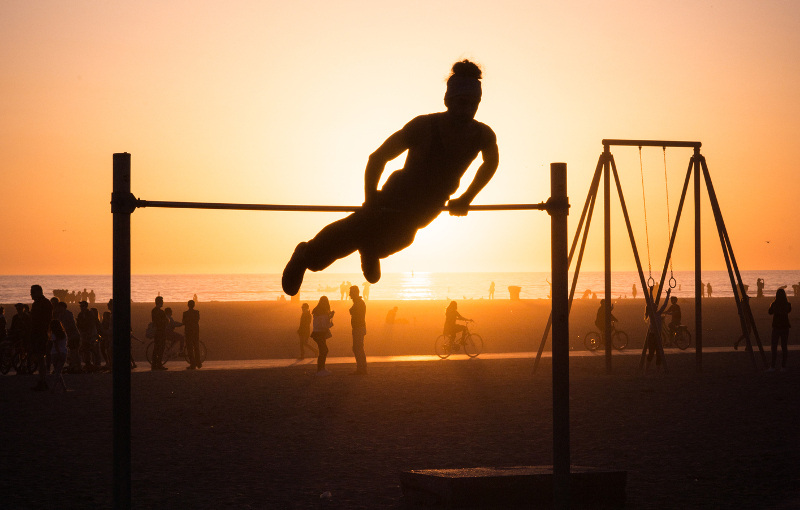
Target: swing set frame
x: 606, y: 167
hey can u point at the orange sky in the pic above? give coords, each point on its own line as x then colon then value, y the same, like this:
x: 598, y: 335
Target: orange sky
x: 272, y: 102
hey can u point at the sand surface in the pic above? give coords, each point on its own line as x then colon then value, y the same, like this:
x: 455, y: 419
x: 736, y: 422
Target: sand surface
x: 280, y: 437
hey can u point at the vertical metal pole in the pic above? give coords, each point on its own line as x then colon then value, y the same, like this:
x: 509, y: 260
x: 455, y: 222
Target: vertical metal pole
x: 607, y: 253
x: 560, y: 269
x: 698, y: 305
x: 122, y: 332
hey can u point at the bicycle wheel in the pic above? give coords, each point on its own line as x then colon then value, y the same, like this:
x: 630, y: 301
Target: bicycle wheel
x: 591, y: 340
x: 473, y: 345
x: 683, y: 338
x: 443, y: 346
x: 201, y: 353
x: 619, y: 339
x: 6, y: 357
x: 149, y: 352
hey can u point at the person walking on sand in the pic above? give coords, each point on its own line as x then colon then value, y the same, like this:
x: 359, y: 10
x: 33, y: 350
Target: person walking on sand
x: 779, y: 309
x: 491, y: 290
x: 304, y: 332
x: 441, y: 147
x: 191, y: 328
x: 58, y: 354
x: 759, y: 288
x: 322, y: 316
x: 160, y: 321
x: 708, y: 289
x: 366, y: 285
x: 358, y: 321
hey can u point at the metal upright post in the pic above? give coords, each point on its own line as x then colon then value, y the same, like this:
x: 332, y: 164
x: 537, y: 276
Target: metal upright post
x: 607, y: 253
x: 121, y: 207
x: 698, y: 305
x: 560, y: 269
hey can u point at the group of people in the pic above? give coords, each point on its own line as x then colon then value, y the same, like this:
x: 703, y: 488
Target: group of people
x: 317, y: 323
x: 70, y: 297
x: 163, y: 327
x: 51, y: 336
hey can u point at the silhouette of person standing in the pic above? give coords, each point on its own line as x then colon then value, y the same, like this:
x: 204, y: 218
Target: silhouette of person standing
x: 304, y: 331
x: 759, y: 288
x: 366, y: 285
x: 441, y: 146
x: 633, y: 291
x: 358, y: 321
x: 191, y: 329
x: 708, y: 289
x: 342, y: 291
x: 160, y: 321
x: 779, y: 309
x: 41, y: 315
x: 491, y: 290
x: 322, y: 320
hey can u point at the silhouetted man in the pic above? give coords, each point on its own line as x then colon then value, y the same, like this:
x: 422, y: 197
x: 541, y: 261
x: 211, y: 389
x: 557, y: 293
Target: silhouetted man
x: 441, y: 146
x: 191, y: 325
x: 358, y: 321
x: 491, y: 290
x: 41, y: 315
x: 160, y: 321
x: 759, y: 288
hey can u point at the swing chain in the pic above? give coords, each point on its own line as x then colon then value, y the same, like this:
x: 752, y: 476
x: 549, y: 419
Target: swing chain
x: 644, y: 203
x: 669, y: 224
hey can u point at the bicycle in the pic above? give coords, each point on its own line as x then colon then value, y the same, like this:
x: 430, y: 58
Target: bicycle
x: 172, y: 351
x: 680, y: 338
x: 594, y: 340
x: 447, y: 344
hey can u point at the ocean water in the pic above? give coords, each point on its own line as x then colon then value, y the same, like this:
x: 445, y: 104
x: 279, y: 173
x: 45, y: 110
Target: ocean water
x: 403, y: 286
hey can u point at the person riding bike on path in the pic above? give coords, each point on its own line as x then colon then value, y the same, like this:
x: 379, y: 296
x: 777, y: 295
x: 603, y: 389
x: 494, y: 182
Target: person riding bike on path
x: 441, y: 146
x: 451, y: 315
x: 675, y: 312
x: 600, y: 318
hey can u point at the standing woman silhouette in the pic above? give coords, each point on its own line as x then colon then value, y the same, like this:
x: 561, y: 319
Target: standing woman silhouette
x: 441, y: 146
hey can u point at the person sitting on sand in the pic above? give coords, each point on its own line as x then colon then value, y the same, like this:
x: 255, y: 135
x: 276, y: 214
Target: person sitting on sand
x: 441, y: 146
x: 322, y: 315
x: 304, y: 331
x: 451, y: 315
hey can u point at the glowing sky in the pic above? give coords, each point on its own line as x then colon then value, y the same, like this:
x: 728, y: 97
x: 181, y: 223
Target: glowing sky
x: 282, y: 102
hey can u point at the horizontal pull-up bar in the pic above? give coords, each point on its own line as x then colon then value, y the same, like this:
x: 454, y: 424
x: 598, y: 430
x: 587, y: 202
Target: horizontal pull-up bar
x: 131, y: 203
x: 651, y: 143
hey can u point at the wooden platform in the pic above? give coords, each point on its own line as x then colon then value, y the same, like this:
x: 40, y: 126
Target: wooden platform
x: 525, y: 486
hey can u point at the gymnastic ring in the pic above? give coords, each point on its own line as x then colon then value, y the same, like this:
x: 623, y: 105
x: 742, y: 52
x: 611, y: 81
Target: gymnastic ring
x: 651, y: 282
x: 672, y: 282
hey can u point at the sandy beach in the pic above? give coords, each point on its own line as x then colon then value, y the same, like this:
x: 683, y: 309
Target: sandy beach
x: 264, y: 330
x: 280, y: 437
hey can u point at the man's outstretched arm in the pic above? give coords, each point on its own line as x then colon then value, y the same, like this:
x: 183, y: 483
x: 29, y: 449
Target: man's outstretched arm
x: 390, y: 149
x: 491, y: 159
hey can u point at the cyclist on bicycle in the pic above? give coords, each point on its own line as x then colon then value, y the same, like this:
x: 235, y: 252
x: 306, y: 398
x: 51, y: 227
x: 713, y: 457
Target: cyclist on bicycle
x: 451, y: 315
x: 600, y: 319
x: 675, y: 312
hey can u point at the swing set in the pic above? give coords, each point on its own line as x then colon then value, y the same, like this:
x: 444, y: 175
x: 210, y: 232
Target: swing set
x: 606, y: 167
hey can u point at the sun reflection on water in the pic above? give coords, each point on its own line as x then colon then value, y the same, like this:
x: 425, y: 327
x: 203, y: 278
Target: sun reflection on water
x: 416, y: 286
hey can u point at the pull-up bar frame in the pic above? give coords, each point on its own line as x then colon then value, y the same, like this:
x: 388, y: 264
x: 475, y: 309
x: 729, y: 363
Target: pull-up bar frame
x: 124, y: 203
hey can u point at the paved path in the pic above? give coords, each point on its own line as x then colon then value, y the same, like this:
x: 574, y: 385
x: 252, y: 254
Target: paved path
x: 280, y: 363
